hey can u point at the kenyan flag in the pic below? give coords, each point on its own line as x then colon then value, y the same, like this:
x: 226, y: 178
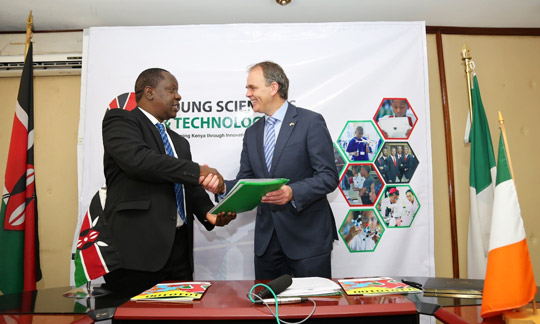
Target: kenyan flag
x: 95, y: 254
x: 19, y: 247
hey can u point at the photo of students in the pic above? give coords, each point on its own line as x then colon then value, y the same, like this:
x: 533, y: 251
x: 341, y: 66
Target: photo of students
x: 361, y: 184
x: 396, y: 162
x: 361, y: 230
x: 398, y: 206
x: 395, y: 118
x: 360, y: 141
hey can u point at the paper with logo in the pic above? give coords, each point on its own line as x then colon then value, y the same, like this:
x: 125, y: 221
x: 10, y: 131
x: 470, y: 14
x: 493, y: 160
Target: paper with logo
x: 376, y: 286
x: 247, y: 194
x: 174, y: 291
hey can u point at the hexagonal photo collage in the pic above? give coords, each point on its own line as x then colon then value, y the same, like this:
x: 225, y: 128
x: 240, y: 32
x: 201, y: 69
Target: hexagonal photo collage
x: 375, y: 172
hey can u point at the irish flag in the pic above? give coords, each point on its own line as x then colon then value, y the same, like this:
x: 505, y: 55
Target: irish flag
x: 509, y: 282
x: 481, y: 178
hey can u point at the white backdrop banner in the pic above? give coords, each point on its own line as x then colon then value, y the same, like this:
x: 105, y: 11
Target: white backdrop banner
x: 351, y: 73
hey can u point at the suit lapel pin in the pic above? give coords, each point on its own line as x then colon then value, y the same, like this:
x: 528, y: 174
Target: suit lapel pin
x: 291, y: 124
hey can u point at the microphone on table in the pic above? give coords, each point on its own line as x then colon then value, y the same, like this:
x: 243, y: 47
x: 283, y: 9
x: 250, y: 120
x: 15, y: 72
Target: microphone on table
x: 277, y: 285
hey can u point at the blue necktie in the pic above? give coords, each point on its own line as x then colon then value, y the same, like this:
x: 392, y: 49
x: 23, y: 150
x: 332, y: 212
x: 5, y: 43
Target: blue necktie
x: 269, y: 141
x: 178, y: 190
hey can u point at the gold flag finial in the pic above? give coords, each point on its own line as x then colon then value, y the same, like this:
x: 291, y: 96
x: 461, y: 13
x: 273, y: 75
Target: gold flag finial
x: 29, y: 29
x: 466, y: 52
x: 467, y: 59
x: 507, y: 149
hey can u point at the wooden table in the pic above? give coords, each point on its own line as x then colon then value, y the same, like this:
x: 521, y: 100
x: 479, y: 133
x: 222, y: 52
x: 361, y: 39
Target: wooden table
x: 227, y: 301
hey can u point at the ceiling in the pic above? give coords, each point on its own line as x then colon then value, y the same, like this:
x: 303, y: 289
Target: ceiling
x: 78, y: 14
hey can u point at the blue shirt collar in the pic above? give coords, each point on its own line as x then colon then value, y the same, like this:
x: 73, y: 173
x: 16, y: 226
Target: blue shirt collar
x: 280, y: 113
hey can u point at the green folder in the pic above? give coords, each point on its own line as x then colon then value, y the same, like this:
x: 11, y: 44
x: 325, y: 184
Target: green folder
x: 247, y: 194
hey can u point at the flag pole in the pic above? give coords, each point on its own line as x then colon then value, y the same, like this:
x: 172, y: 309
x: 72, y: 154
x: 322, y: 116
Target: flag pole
x: 467, y: 59
x: 507, y: 150
x: 501, y: 123
x: 29, y: 34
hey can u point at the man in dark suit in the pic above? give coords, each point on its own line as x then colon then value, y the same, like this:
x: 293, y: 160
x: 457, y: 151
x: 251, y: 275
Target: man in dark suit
x: 153, y: 190
x: 393, y: 166
x: 382, y: 164
x: 409, y: 164
x: 401, y: 165
x: 295, y: 227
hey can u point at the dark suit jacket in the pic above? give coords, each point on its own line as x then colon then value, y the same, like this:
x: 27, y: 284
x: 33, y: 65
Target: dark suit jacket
x: 401, y: 166
x: 382, y: 166
x: 141, y: 206
x: 409, y: 165
x: 303, y: 154
x: 393, y: 170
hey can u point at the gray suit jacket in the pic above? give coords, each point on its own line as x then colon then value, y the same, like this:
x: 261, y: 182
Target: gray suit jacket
x: 304, y: 154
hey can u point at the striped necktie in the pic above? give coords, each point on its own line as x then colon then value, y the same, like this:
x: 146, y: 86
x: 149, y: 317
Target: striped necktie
x: 269, y: 141
x: 178, y: 190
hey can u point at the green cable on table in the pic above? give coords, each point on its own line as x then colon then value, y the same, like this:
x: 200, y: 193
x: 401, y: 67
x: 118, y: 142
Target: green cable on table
x: 273, y: 294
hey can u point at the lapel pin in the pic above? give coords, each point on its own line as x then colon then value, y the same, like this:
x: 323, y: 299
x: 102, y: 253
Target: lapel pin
x: 291, y: 124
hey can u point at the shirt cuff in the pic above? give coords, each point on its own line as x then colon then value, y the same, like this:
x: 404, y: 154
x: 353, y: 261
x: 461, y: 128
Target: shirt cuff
x: 293, y: 203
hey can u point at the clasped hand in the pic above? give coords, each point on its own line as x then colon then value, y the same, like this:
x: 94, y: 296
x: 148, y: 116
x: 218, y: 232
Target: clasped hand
x: 214, y: 184
x: 210, y: 179
x: 221, y: 219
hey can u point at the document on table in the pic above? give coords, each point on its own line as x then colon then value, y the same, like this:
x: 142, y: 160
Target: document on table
x: 312, y: 286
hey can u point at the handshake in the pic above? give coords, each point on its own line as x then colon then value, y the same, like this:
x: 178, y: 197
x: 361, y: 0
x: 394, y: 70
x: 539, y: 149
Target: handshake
x: 210, y: 179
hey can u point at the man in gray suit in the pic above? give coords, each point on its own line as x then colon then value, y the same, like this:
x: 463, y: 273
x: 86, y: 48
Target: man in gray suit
x: 295, y: 227
x: 153, y: 190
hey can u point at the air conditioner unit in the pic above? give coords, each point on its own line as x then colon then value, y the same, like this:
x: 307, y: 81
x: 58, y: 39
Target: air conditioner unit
x: 49, y: 64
